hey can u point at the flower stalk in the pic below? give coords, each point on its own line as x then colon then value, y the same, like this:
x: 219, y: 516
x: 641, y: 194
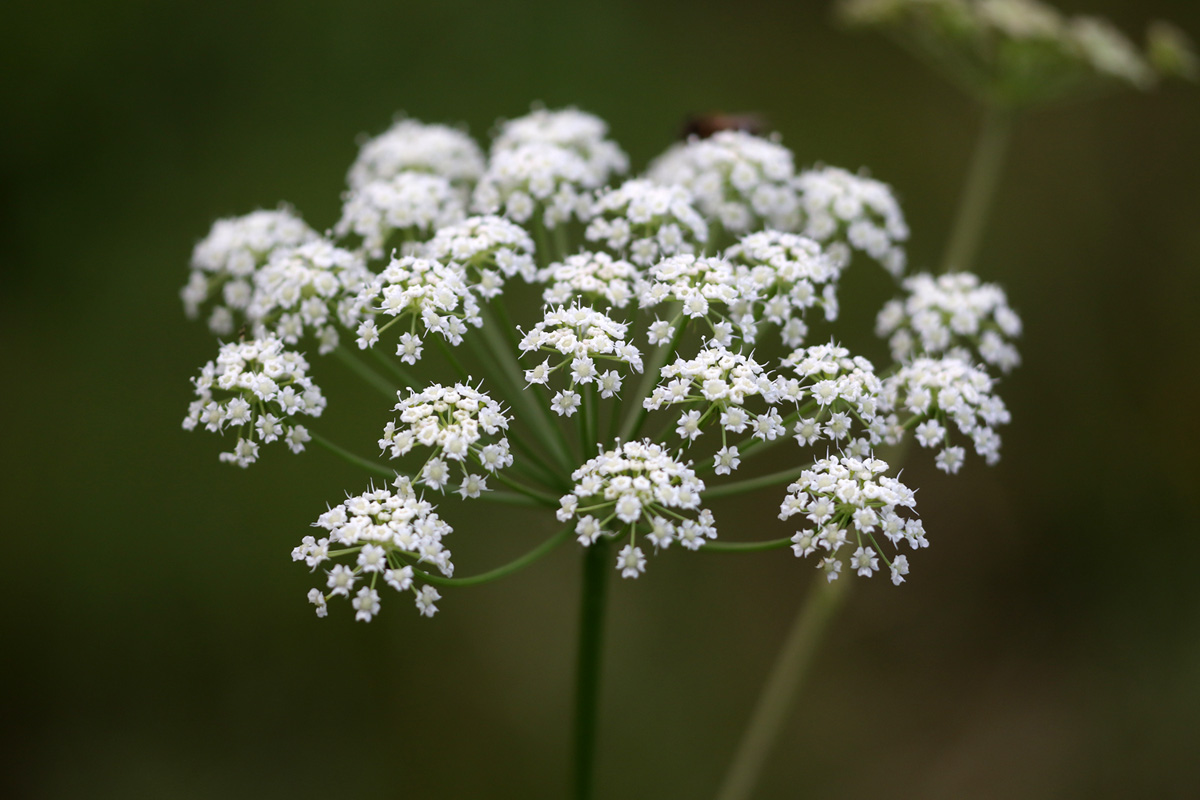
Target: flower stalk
x: 983, y: 178
x: 778, y: 695
x: 588, y: 662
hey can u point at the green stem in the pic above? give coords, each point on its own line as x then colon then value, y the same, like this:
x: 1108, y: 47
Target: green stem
x: 363, y: 371
x: 405, y: 377
x: 525, y: 498
x: 542, y: 498
x: 587, y: 416
x: 560, y: 241
x: 529, y: 414
x: 980, y: 187
x: 587, y: 686
x: 745, y: 547
x: 775, y: 702
x: 358, y: 461
x: 633, y: 422
x: 750, y: 484
x: 452, y: 360
x: 537, y: 415
x: 501, y: 571
x: 541, y: 240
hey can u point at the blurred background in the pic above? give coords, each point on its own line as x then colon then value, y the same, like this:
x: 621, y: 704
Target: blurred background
x: 156, y: 641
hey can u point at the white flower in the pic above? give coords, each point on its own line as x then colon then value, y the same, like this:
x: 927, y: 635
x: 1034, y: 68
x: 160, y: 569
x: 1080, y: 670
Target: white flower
x: 1109, y: 52
x: 224, y: 263
x: 631, y: 561
x: 590, y: 277
x: 385, y: 532
x: 566, y: 403
x: 399, y: 579
x: 952, y: 314
x: 317, y: 599
x: 366, y: 603
x: 946, y: 395
x: 726, y: 460
x: 404, y: 209
x: 308, y: 289
x: 789, y: 274
x: 847, y: 394
x: 588, y: 530
x: 578, y: 132
x: 637, y: 483
x: 413, y: 146
x: 488, y: 250
x: 950, y: 460
x: 847, y: 211
x: 533, y: 177
x: 460, y: 423
x: 851, y: 492
x: 644, y: 222
x: 738, y: 179
x: 717, y: 382
x: 708, y: 288
x: 255, y: 387
x: 420, y: 294
x: 579, y: 336
x: 426, y: 599
x: 341, y: 580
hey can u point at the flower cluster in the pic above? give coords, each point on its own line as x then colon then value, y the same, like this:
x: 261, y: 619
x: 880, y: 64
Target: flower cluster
x: 847, y: 496
x: 388, y: 533
x: 940, y: 391
x: 852, y: 211
x: 412, y: 146
x: 406, y: 209
x: 637, y: 484
x: 843, y: 394
x: 644, y: 222
x: 785, y: 271
x: 716, y: 383
x: 308, y: 289
x: 488, y: 249
x: 432, y: 296
x: 708, y: 256
x: 952, y: 314
x: 578, y: 132
x: 256, y: 387
x: 538, y: 182
x: 224, y: 263
x: 592, y: 277
x: 582, y: 336
x: 739, y: 180
x: 1020, y: 52
x: 707, y: 288
x: 453, y: 422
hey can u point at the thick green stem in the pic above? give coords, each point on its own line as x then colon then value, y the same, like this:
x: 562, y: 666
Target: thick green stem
x: 775, y: 702
x: 982, y: 180
x: 587, y: 686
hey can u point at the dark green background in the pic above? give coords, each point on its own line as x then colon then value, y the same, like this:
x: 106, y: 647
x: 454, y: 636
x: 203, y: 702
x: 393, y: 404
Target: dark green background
x: 156, y: 642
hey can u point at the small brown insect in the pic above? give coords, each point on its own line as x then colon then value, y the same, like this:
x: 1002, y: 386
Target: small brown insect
x: 705, y: 125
